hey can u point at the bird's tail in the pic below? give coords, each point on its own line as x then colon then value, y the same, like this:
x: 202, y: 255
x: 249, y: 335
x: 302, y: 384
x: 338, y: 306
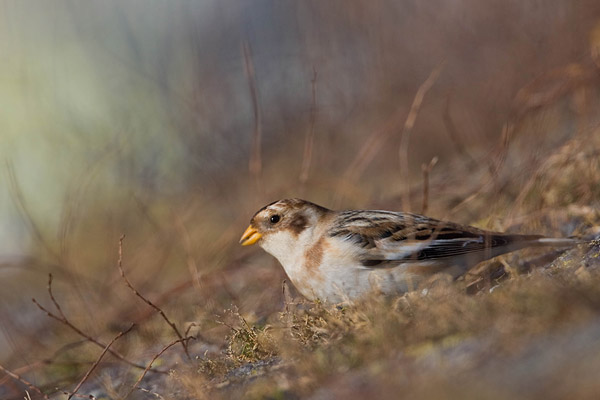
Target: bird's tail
x: 558, y: 242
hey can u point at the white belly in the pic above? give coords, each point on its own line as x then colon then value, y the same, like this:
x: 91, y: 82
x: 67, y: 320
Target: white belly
x: 339, y: 279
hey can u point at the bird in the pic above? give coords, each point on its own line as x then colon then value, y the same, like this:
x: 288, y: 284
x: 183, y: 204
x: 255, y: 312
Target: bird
x: 340, y: 256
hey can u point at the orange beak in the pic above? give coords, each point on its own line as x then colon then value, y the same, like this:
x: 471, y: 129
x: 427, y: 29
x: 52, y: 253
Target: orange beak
x: 250, y: 236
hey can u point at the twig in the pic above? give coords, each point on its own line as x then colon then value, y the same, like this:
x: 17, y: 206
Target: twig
x: 222, y: 277
x: 63, y: 319
x: 197, y: 335
x: 152, y: 362
x: 287, y: 300
x: 408, y: 127
x: 53, y: 299
x: 158, y: 396
x: 310, y: 135
x: 23, y: 381
x: 95, y: 364
x: 378, y: 138
x: 286, y: 295
x: 151, y: 304
x: 370, y: 148
x: 494, y: 168
x: 454, y: 135
x: 80, y: 396
x: 187, y: 246
x: 507, y: 134
x: 426, y: 168
x: 21, y: 370
x: 46, y: 362
x: 189, y: 328
x: 255, y: 164
x: 21, y: 204
x: 552, y: 166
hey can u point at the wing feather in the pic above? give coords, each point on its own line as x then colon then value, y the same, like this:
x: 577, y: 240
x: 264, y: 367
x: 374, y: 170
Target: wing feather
x: 390, y: 238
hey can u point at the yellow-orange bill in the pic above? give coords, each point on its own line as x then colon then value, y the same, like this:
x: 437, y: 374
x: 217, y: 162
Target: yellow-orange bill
x: 250, y: 236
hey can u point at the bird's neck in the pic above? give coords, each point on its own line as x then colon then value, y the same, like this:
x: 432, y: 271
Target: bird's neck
x: 288, y: 248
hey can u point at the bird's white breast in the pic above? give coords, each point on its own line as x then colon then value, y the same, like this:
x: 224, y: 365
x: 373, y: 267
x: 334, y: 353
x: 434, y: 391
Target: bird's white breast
x: 333, y: 271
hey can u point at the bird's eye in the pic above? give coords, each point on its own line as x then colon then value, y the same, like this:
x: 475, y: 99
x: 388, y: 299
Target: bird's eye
x: 274, y: 219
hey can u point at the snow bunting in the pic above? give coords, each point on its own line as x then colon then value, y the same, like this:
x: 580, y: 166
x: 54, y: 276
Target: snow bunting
x: 337, y: 256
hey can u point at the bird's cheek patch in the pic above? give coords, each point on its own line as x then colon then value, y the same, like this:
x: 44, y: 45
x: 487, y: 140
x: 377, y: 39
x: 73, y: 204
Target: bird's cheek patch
x: 298, y: 224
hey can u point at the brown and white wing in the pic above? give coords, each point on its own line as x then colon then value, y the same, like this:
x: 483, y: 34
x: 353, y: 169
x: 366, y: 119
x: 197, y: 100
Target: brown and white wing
x: 387, y: 239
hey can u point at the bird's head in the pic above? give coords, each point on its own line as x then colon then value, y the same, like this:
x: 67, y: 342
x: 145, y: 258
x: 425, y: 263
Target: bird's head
x: 277, y: 227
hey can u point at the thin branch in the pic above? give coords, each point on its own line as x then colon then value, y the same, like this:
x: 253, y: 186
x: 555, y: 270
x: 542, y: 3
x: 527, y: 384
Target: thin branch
x: 74, y: 195
x: 377, y: 138
x: 22, y: 370
x: 285, y: 293
x: 187, y: 246
x: 287, y: 300
x: 189, y: 328
x: 145, y: 300
x: 25, y: 382
x: 310, y: 135
x: 182, y: 340
x: 197, y: 335
x: 455, y: 136
x: 552, y: 166
x: 255, y: 164
x: 426, y: 168
x: 63, y: 319
x: 48, y: 361
x: 53, y: 299
x: 95, y: 364
x: 21, y: 204
x: 371, y: 146
x: 494, y: 168
x: 158, y: 396
x: 408, y: 127
x: 80, y: 396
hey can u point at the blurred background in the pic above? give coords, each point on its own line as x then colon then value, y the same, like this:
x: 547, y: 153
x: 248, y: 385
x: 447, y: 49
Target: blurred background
x: 173, y: 122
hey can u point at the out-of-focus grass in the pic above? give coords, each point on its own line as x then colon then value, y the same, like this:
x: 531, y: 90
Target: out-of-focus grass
x: 447, y: 342
x: 181, y: 250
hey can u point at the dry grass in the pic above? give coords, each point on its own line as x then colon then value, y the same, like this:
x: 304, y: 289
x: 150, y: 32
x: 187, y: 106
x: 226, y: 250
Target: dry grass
x: 425, y: 344
x: 521, y: 326
x: 452, y: 339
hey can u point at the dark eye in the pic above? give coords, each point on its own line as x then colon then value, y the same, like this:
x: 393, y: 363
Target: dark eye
x: 274, y: 219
